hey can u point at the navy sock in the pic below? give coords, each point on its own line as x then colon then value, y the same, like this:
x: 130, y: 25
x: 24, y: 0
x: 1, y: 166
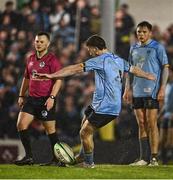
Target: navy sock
x: 53, y: 139
x: 89, y: 159
x: 154, y: 155
x: 148, y: 150
x: 144, y: 149
x: 24, y: 136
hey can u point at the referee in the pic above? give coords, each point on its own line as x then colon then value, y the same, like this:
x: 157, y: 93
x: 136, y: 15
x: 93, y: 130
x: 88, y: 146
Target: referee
x: 40, y: 102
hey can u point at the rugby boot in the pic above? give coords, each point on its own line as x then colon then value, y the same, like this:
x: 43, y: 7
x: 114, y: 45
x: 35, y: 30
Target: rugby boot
x: 24, y: 161
x: 54, y: 163
x: 153, y: 162
x: 139, y: 163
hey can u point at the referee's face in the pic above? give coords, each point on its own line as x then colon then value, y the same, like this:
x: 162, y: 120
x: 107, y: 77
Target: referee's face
x: 41, y: 43
x: 143, y: 34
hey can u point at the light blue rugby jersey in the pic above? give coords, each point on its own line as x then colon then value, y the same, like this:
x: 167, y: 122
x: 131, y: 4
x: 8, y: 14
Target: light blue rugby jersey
x: 150, y: 58
x: 109, y: 70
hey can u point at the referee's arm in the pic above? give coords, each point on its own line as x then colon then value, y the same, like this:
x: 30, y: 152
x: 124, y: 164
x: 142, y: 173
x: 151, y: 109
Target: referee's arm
x: 24, y: 87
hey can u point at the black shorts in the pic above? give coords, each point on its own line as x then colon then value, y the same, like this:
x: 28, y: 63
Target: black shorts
x: 98, y: 120
x: 145, y: 103
x: 36, y: 107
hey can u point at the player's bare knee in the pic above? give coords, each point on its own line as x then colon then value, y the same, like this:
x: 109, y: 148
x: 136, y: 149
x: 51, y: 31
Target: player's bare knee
x: 151, y: 126
x: 21, y: 126
x: 83, y: 133
x: 50, y: 130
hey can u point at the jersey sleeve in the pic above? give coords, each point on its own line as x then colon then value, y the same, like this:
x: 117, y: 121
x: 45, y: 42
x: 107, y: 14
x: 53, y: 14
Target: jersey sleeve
x: 162, y: 56
x: 130, y: 56
x: 126, y: 66
x: 93, y: 64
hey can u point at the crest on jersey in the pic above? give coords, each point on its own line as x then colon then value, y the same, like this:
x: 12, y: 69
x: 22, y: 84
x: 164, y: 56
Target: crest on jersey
x: 44, y: 113
x: 31, y: 63
x: 42, y: 64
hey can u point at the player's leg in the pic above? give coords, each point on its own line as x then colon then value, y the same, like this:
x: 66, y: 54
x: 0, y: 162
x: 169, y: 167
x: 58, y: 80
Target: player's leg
x: 152, y: 106
x: 143, y: 138
x: 79, y: 158
x: 90, y: 125
x: 86, y: 135
x: 23, y: 122
x: 50, y: 128
x: 151, y: 115
x: 144, y: 148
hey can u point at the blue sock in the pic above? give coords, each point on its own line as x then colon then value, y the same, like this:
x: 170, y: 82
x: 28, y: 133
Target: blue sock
x: 89, y: 158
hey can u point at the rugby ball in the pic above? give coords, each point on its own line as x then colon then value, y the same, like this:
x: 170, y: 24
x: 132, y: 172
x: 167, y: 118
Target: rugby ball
x: 64, y: 153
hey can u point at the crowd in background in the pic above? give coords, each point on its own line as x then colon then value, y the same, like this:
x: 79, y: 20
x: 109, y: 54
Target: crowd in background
x: 63, y: 19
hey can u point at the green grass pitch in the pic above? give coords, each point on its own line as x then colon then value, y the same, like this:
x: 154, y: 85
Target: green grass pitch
x: 99, y: 172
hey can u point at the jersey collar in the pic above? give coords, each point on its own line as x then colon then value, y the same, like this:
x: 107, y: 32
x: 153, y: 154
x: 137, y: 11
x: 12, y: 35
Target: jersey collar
x: 42, y: 56
x: 148, y: 42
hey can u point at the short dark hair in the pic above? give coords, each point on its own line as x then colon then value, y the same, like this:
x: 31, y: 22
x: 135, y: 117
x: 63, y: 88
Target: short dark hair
x: 125, y: 6
x: 9, y: 3
x: 145, y: 24
x: 96, y: 41
x: 42, y: 33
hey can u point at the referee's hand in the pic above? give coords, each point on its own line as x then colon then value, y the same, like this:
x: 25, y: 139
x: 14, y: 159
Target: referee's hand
x: 21, y: 102
x: 49, y: 104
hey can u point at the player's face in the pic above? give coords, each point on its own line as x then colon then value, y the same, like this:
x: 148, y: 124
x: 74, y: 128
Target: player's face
x: 143, y: 34
x: 41, y: 43
x: 92, y: 51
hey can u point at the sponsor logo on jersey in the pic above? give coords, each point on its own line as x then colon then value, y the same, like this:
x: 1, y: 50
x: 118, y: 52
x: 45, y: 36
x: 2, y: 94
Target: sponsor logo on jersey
x: 33, y: 73
x: 147, y: 90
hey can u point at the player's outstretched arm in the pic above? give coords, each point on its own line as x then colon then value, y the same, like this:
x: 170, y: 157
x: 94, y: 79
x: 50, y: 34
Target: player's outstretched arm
x: 140, y: 73
x: 67, y: 71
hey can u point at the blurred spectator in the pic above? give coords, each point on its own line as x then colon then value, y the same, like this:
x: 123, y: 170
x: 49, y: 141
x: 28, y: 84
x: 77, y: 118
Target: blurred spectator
x: 124, y: 25
x: 58, y: 14
x: 84, y: 9
x: 65, y: 34
x: 166, y: 123
x: 80, y: 19
x: 128, y: 21
x: 156, y: 33
x: 12, y: 14
x: 6, y: 23
x: 95, y: 20
x: 168, y: 35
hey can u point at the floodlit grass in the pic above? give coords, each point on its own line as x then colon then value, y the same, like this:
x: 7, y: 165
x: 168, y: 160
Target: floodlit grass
x: 99, y: 172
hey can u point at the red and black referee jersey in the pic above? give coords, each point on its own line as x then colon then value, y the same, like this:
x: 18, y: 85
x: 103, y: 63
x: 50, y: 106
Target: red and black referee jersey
x: 47, y: 64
